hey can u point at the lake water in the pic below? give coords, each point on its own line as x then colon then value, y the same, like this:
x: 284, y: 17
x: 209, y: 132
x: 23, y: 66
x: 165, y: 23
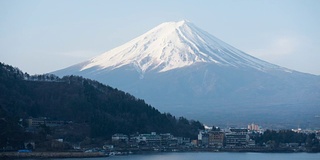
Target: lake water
x: 212, y: 156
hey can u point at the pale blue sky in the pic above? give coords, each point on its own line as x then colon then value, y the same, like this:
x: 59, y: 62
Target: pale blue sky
x: 43, y: 36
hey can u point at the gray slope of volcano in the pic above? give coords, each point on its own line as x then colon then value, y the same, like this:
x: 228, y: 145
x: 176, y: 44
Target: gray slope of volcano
x: 178, y: 68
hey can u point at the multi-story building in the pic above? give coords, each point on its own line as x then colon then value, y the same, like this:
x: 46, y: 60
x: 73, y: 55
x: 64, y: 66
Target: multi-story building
x: 253, y: 127
x: 150, y: 139
x: 203, y: 138
x: 216, y: 139
x: 237, y: 137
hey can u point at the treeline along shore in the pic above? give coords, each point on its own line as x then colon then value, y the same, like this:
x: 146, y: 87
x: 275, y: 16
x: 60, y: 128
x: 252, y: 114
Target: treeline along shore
x: 11, y: 155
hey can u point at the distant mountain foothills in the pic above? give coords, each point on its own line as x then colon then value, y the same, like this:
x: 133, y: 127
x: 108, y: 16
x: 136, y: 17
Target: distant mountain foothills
x: 179, y: 68
x: 89, y: 108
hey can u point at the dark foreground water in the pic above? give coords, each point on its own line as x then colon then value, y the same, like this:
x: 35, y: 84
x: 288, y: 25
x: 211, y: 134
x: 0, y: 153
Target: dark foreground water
x: 211, y: 156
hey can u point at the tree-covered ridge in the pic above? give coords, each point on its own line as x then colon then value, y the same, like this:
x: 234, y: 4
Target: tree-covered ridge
x: 105, y: 109
x: 275, y: 139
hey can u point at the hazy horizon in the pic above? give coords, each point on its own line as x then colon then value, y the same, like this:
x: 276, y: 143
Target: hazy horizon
x: 44, y: 36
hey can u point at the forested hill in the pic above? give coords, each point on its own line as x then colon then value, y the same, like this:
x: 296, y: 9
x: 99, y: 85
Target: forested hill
x: 106, y: 110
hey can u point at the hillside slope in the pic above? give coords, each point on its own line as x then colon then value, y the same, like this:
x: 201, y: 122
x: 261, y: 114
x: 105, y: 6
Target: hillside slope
x: 106, y: 110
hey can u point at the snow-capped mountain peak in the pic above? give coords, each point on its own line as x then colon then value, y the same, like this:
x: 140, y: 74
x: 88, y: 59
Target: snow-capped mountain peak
x: 184, y: 70
x: 174, y: 45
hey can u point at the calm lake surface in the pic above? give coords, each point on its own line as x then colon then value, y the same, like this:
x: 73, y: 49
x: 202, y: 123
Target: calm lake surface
x: 211, y: 155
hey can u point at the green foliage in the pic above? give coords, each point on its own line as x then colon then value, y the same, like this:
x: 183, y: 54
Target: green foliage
x: 214, y: 128
x: 106, y: 110
x: 282, y: 136
x: 288, y: 136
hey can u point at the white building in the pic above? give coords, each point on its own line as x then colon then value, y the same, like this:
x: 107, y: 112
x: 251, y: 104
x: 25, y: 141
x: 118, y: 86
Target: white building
x: 119, y: 138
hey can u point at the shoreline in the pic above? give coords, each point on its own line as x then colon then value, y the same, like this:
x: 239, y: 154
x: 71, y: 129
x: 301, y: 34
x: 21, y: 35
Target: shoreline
x: 17, y: 155
x: 10, y: 155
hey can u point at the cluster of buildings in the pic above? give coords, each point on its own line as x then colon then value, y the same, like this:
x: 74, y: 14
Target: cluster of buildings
x: 152, y: 139
x: 36, y: 122
x: 227, y: 138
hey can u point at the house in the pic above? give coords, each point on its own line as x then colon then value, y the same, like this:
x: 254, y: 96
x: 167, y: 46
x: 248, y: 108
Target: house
x: 183, y: 140
x: 36, y: 122
x: 30, y: 145
x: 203, y: 138
x: 117, y: 138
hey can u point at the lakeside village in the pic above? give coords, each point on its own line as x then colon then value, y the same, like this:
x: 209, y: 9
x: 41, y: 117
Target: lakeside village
x: 250, y: 139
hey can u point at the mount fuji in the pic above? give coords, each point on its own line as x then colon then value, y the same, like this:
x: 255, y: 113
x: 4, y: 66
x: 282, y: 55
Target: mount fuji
x: 179, y: 68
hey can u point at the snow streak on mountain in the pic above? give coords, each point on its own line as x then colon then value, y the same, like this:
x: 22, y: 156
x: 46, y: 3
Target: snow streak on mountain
x: 174, y: 45
x: 181, y: 69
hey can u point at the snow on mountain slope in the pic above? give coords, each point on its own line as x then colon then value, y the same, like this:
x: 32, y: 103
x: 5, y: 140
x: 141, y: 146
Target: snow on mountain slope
x: 181, y: 69
x: 174, y: 45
